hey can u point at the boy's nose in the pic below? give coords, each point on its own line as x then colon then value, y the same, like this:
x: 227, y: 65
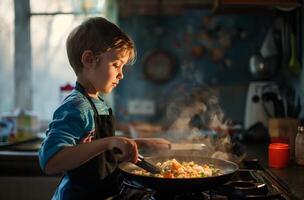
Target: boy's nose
x: 120, y: 75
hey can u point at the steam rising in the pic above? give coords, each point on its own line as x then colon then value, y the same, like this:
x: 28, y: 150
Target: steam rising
x: 198, y: 118
x: 199, y: 110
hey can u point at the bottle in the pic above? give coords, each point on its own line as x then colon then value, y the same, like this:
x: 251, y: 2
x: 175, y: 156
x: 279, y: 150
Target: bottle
x: 299, y: 146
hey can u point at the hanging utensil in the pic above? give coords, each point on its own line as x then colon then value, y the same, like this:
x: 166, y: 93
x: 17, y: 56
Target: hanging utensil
x: 262, y: 68
x: 159, y: 65
x: 269, y: 46
x: 294, y: 65
x: 286, y: 46
x: 290, y: 101
x: 264, y: 63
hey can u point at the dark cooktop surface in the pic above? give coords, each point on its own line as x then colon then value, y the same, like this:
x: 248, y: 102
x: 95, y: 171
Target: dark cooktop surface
x: 250, y: 182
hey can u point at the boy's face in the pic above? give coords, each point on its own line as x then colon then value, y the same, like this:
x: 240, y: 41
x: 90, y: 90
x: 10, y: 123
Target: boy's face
x: 108, y: 70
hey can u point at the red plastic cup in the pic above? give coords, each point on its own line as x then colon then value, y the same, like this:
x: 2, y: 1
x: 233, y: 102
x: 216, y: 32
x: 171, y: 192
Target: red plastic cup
x: 278, y: 155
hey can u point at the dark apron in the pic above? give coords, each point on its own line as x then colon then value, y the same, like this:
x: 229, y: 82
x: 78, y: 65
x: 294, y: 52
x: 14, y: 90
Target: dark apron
x: 97, y: 178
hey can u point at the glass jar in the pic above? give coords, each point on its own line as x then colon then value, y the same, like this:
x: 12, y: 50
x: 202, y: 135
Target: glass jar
x: 299, y: 146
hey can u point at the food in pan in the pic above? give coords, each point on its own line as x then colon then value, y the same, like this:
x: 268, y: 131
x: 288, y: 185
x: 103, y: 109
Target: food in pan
x: 174, y: 169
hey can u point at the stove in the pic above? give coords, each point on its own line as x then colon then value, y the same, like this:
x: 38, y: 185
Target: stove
x: 251, y: 181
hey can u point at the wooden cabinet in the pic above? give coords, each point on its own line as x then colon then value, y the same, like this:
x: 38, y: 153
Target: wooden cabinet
x: 27, y: 187
x: 21, y: 177
x: 259, y: 2
x: 256, y: 4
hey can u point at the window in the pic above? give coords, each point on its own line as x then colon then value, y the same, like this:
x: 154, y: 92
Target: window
x: 50, y: 66
x: 6, y: 55
x: 51, y: 22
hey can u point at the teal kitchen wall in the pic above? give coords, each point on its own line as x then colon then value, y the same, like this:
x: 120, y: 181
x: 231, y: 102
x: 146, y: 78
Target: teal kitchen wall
x: 212, y: 50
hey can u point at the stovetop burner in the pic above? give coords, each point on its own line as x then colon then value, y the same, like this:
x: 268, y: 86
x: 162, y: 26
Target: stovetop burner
x: 250, y: 182
x: 134, y: 190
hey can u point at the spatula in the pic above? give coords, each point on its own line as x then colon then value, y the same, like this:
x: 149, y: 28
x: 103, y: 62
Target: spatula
x: 142, y: 163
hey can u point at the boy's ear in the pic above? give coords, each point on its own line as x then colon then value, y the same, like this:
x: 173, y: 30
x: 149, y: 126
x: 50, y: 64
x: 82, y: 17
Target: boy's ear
x: 87, y: 58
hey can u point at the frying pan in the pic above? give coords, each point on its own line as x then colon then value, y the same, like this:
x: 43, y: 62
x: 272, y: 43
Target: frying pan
x: 227, y: 169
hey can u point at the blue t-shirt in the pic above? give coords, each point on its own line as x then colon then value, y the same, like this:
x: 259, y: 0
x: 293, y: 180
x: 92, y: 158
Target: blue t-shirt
x: 73, y: 123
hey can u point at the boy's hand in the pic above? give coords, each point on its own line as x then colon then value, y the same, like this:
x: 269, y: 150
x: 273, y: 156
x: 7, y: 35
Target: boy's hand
x: 125, y: 149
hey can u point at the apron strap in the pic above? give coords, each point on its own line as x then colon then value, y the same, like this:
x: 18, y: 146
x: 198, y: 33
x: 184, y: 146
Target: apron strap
x: 81, y: 89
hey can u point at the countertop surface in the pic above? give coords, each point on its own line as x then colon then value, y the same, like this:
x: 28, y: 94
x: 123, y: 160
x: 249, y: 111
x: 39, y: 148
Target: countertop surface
x: 25, y: 163
x: 19, y: 163
x: 291, y: 176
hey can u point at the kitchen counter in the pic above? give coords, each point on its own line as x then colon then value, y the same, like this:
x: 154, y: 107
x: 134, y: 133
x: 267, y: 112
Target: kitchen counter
x: 20, y: 163
x: 20, y: 171
x: 291, y: 176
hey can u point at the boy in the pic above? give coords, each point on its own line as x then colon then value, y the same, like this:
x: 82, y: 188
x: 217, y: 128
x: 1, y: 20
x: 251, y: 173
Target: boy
x: 80, y: 139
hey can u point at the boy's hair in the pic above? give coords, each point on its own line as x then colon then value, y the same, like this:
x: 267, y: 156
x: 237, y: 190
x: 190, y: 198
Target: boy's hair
x: 98, y: 35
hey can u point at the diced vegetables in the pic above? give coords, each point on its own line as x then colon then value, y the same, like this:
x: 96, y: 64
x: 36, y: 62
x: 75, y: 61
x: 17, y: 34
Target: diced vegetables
x: 174, y: 169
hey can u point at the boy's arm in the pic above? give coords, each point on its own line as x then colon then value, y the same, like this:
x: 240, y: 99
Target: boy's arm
x: 73, y: 156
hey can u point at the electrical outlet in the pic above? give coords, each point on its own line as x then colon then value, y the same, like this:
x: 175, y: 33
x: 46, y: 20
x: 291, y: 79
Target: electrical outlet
x: 141, y: 107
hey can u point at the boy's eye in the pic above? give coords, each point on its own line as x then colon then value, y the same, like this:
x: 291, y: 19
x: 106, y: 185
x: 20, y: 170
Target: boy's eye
x: 116, y: 65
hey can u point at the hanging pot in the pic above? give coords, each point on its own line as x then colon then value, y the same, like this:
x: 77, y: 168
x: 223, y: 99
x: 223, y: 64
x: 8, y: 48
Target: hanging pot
x: 159, y: 66
x: 263, y: 68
